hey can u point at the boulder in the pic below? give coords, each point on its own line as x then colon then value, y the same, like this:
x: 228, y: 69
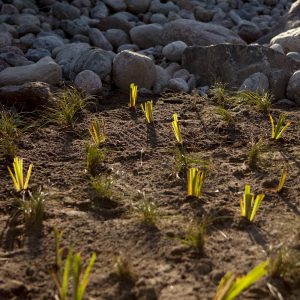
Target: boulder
x: 137, y: 6
x: 232, y: 64
x: 203, y: 15
x: 97, y: 60
x: 74, y: 27
x: 198, y: 33
x: 293, y: 88
x: 114, y: 22
x: 294, y: 55
x: 146, y: 36
x: 98, y: 39
x: 65, y: 11
x: 174, y: 50
x: 14, y: 59
x: 100, y: 11
x: 131, y: 67
x: 36, y: 54
x: 30, y: 94
x: 162, y: 79
x: 117, y: 37
x: 48, y: 42
x: 289, y: 40
x: 88, y: 81
x: 45, y: 70
x: 164, y: 8
x: 257, y: 82
x: 116, y: 5
x: 178, y: 85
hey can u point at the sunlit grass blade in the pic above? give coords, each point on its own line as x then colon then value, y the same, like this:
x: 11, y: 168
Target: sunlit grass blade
x: 282, y: 180
x: 195, y: 178
x: 147, y: 109
x: 97, y: 132
x: 176, y: 129
x: 66, y: 275
x: 256, y: 205
x: 230, y: 287
x: 133, y: 95
x: 17, y: 177
x: 278, y: 130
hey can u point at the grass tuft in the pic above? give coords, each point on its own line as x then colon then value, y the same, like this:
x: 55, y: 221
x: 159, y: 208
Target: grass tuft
x: 94, y: 158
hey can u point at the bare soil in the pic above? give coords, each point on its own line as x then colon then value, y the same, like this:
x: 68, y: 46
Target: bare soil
x: 141, y: 158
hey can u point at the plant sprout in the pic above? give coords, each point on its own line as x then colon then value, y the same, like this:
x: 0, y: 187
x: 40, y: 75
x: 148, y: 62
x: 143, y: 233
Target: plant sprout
x: 97, y: 132
x: 18, y: 178
x: 176, y: 129
x: 195, y: 178
x: 133, y: 95
x: 147, y: 109
x: 282, y: 180
x: 278, y: 130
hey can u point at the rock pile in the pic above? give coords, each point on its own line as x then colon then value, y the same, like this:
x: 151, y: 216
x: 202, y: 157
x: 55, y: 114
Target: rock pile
x: 158, y: 44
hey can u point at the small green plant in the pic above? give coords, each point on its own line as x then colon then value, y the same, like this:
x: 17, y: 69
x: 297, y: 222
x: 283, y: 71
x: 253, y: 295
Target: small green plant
x: 68, y: 104
x: 133, y: 96
x: 280, y: 127
x: 176, y: 129
x: 18, y: 178
x: 231, y: 286
x: 102, y: 187
x: 147, y: 109
x: 195, y: 179
x: 249, y: 204
x: 94, y: 157
x: 255, y: 152
x: 97, y: 132
x: 123, y: 268
x: 32, y: 206
x: 220, y: 93
x: 260, y: 102
x: 226, y: 115
x: 72, y: 267
x: 282, y: 179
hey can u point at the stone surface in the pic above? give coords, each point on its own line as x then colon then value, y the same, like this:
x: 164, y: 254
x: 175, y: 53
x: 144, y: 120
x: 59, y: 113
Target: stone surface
x: 116, y: 5
x: 88, y: 81
x: 76, y: 26
x: 97, y: 60
x: 131, y: 67
x: 162, y: 79
x: 137, y: 6
x: 146, y: 36
x: 65, y: 11
x: 45, y: 70
x: 174, y: 50
x: 117, y: 37
x: 30, y: 94
x: 198, y: 33
x: 114, y: 22
x: 293, y: 87
x: 294, y: 55
x: 36, y: 54
x: 178, y: 85
x: 99, y: 40
x: 48, y: 42
x: 232, y: 64
x: 257, y: 82
x: 289, y: 40
x: 277, y: 47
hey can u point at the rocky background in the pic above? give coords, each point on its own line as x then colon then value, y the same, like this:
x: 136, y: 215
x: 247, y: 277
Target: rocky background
x: 179, y: 45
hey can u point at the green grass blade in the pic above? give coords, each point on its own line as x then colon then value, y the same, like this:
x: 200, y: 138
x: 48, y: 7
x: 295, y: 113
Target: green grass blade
x: 257, y: 203
x: 282, y: 180
x: 77, y: 269
x: 282, y: 130
x: 273, y: 127
x: 28, y: 176
x: 66, y: 275
x: 14, y: 179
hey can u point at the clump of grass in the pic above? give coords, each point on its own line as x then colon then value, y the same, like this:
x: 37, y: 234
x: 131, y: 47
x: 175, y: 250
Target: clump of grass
x: 94, y: 158
x: 231, y: 286
x: 219, y: 91
x: 280, y: 127
x: 225, y: 115
x: 133, y: 96
x: 147, y: 109
x: 69, y: 102
x: 71, y: 268
x: 102, y: 187
x: 17, y: 177
x: 254, y: 155
x: 249, y: 204
x: 31, y: 206
x: 9, y: 133
x: 97, y: 132
x: 123, y: 268
x: 259, y: 102
x: 195, y: 179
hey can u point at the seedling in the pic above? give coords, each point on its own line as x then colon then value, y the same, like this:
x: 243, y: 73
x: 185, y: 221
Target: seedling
x: 282, y: 179
x: 69, y: 103
x: 71, y: 267
x: 97, y: 132
x: 147, y: 109
x: 226, y: 115
x: 133, y: 96
x: 278, y: 130
x: 123, y: 268
x: 255, y: 152
x: 249, y: 204
x: 176, y: 129
x: 195, y: 178
x: 102, y: 187
x: 94, y: 157
x: 220, y: 93
x: 18, y: 178
x: 260, y: 102
x: 231, y: 286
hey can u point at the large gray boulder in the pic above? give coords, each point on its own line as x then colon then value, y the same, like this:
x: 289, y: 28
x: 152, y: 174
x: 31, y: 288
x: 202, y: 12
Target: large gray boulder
x: 48, y: 42
x: 289, y: 40
x: 98, y: 39
x: 88, y: 81
x: 131, y: 67
x: 293, y: 88
x: 146, y: 36
x: 257, y: 83
x: 198, y: 33
x: 65, y: 11
x: 174, y: 50
x: 137, y: 6
x: 97, y: 60
x: 45, y: 70
x: 232, y: 64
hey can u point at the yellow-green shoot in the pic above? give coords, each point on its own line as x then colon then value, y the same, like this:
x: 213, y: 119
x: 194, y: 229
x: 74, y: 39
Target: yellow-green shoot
x: 176, y: 129
x: 280, y: 127
x: 147, y: 109
x: 282, y: 179
x: 231, y: 286
x: 97, y: 132
x: 249, y: 204
x: 195, y: 178
x: 133, y: 95
x: 18, y: 177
